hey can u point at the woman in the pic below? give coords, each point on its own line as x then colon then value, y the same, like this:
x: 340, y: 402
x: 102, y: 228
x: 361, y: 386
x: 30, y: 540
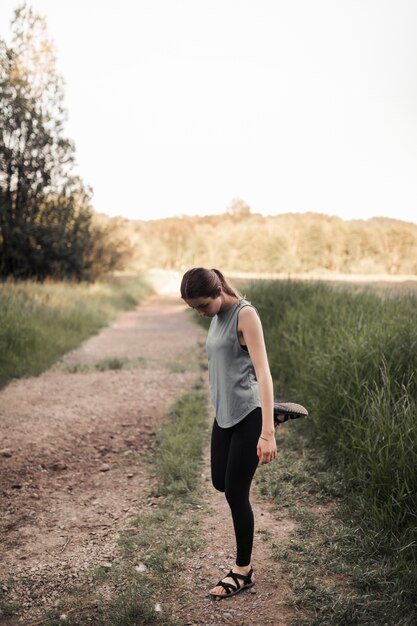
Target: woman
x: 241, y: 389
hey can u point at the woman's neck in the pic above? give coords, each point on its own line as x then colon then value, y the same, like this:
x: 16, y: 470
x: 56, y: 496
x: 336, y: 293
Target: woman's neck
x: 227, y: 301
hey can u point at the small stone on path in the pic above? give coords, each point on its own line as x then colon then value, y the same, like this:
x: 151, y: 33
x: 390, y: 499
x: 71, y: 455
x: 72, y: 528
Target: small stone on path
x: 59, y: 465
x: 141, y: 567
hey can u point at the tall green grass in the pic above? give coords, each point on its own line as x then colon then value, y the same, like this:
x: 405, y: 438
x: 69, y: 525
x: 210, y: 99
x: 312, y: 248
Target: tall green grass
x: 351, y: 358
x: 40, y: 322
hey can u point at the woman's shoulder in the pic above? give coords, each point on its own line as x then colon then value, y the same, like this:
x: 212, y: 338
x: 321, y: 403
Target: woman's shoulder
x: 244, y: 303
x: 247, y: 310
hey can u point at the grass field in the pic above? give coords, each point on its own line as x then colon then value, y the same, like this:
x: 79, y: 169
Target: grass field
x: 350, y: 355
x: 40, y: 322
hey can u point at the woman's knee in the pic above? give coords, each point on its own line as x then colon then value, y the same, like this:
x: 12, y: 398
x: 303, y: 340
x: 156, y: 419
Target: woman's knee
x: 218, y: 483
x: 236, y: 497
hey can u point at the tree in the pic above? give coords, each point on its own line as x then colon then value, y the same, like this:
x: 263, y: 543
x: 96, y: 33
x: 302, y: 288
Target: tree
x: 238, y: 208
x: 45, y: 213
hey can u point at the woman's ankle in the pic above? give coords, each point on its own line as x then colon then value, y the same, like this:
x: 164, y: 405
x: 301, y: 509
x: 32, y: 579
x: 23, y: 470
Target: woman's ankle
x: 242, y: 569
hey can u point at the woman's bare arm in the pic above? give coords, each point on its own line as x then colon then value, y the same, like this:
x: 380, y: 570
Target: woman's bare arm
x: 251, y: 334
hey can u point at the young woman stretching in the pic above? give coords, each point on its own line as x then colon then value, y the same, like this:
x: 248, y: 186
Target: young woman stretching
x: 241, y: 389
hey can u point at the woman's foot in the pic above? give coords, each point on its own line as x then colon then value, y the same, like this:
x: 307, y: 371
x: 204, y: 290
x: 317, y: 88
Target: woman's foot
x: 238, y: 579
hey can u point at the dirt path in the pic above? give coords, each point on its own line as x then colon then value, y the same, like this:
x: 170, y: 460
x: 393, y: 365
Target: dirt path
x: 73, y: 468
x: 263, y: 605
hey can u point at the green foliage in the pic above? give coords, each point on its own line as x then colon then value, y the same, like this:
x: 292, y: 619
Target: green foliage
x: 134, y: 606
x: 335, y: 574
x: 351, y: 358
x: 46, y: 221
x: 7, y: 609
x: 40, y: 322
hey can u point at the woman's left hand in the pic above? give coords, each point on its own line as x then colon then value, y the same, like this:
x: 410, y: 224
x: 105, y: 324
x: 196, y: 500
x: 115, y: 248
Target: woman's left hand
x: 266, y: 450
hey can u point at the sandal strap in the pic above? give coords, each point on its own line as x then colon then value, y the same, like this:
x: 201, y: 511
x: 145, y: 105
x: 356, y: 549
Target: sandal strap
x: 247, y: 578
x: 235, y: 578
x: 228, y: 587
x: 231, y: 588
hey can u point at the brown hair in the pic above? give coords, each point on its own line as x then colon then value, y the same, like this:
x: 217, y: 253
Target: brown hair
x: 200, y: 282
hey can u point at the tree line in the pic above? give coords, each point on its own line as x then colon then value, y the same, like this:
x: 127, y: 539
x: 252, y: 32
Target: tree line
x: 47, y: 225
x: 288, y: 243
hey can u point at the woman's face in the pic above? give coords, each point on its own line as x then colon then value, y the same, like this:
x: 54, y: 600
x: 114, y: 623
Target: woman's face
x: 206, y: 306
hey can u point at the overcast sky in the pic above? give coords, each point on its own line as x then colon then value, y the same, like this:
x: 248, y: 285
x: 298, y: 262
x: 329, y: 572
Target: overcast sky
x: 178, y: 106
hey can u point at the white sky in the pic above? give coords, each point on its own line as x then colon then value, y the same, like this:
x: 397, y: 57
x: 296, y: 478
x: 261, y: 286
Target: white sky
x: 178, y: 106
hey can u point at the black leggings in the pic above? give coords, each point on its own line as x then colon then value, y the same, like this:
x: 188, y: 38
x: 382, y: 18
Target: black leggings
x: 233, y: 464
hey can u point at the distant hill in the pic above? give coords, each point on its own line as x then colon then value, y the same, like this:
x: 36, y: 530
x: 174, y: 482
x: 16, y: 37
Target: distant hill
x: 292, y: 242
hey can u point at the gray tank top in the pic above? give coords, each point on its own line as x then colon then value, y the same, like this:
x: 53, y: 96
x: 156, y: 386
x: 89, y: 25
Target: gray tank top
x: 233, y: 385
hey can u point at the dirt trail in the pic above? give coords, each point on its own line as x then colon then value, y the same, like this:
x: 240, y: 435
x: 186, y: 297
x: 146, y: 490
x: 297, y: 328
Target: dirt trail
x: 73, y: 471
x: 263, y: 605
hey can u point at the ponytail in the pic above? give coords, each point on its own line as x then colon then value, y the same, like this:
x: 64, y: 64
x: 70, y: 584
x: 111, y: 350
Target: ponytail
x: 227, y: 287
x: 200, y: 282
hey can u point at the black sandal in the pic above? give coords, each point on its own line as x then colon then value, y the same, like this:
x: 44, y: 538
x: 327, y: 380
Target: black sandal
x: 284, y: 411
x: 232, y: 589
